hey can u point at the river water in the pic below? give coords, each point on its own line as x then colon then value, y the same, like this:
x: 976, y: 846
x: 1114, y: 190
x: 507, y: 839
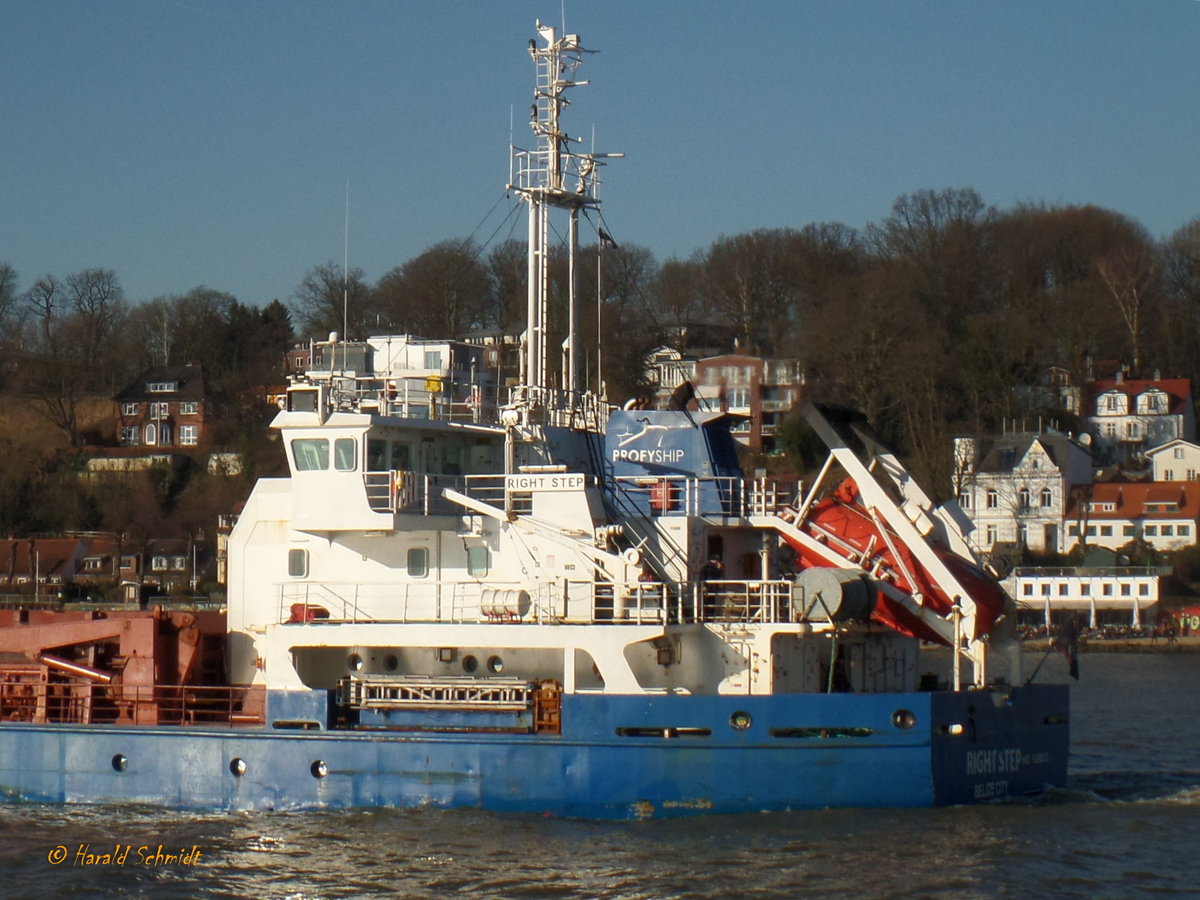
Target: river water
x: 1127, y: 826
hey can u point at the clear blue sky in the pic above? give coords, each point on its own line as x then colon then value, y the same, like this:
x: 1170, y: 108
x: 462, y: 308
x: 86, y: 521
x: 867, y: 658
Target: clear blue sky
x: 189, y: 142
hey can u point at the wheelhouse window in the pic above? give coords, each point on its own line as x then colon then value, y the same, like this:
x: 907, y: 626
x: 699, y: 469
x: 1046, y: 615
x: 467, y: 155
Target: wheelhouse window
x: 418, y: 562
x: 345, y: 454
x: 310, y: 454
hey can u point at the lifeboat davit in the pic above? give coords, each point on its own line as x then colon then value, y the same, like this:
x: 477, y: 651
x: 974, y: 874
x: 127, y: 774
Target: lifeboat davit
x: 840, y: 522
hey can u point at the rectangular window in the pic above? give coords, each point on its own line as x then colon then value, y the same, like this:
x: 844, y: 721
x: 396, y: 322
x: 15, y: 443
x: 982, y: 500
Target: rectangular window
x: 1085, y: 589
x: 1062, y: 589
x: 992, y: 534
x: 189, y: 408
x: 1105, y: 531
x: 130, y: 409
x: 1143, y: 590
x: 1046, y: 589
x: 433, y: 359
x: 1179, y: 453
x: 189, y: 435
x: 1168, y: 475
x: 1126, y: 590
x: 160, y: 410
x: 1129, y: 531
x: 1073, y: 531
x: 179, y: 563
x: 129, y: 435
x: 1167, y: 531
x: 159, y: 564
x: 477, y: 561
x: 376, y: 455
x: 298, y: 563
x: 162, y: 387
x: 401, y: 457
x: 310, y: 454
x: 345, y: 454
x: 1183, y: 530
x: 418, y: 562
x: 964, y: 500
x: 1106, y: 589
x: 1150, y: 531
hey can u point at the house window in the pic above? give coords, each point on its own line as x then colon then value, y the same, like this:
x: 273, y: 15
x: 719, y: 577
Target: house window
x: 1179, y: 453
x: 1105, y: 531
x: 993, y: 499
x: 189, y: 435
x: 298, y: 562
x: 1150, y: 531
x: 1110, y: 429
x: 1073, y: 531
x: 189, y: 408
x: 162, y: 387
x: 1168, y: 474
x: 433, y: 359
x: 418, y: 562
x: 964, y: 500
x: 477, y: 561
x: 1167, y: 531
x: 1023, y: 535
x: 1046, y: 589
x: 1183, y: 530
x: 129, y: 435
x: 93, y: 564
x: 1111, y: 404
x: 1024, y: 499
x: 1132, y: 430
x: 1129, y: 531
x: 160, y: 410
x: 1047, y: 497
x: 130, y: 409
x: 179, y: 563
x: 991, y: 534
x: 158, y: 563
x: 1191, y: 474
x: 151, y: 435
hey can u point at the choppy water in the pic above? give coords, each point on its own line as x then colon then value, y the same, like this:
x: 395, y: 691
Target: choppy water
x: 1126, y: 827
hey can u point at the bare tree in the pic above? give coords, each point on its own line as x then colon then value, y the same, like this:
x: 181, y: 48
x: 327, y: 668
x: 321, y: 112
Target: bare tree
x: 326, y: 301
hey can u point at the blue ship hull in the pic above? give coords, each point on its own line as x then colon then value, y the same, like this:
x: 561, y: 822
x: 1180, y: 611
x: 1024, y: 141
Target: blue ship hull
x: 618, y: 757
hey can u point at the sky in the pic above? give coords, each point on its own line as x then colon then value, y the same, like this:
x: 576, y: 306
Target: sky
x: 237, y: 145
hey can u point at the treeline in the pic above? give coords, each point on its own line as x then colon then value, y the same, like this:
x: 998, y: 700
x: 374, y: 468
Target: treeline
x: 943, y: 319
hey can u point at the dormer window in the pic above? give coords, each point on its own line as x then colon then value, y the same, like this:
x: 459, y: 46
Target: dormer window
x: 162, y: 387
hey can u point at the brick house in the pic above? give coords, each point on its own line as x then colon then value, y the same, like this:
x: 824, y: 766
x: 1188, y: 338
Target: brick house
x: 764, y: 391
x: 162, y: 408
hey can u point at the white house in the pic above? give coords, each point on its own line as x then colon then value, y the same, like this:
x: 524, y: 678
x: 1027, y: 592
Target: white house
x: 1016, y: 488
x: 1128, y: 418
x: 1177, y: 460
x: 1163, y: 514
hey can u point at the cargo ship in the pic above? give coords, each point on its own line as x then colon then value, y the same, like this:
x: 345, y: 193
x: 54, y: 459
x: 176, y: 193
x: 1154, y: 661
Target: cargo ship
x: 528, y: 600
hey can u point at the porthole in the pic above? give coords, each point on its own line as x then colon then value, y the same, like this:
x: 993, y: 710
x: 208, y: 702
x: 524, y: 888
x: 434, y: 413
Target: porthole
x: 391, y: 663
x: 120, y: 762
x: 740, y: 720
x: 318, y: 768
x: 495, y: 665
x: 237, y: 766
x: 354, y: 662
x: 904, y: 719
x: 469, y: 663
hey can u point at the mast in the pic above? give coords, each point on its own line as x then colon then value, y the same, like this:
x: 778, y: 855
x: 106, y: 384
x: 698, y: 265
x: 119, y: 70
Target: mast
x: 553, y: 176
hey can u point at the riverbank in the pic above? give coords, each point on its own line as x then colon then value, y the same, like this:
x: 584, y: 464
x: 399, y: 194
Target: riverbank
x: 1188, y: 644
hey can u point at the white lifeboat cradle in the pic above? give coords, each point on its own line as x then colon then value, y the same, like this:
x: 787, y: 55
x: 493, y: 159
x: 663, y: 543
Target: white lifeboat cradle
x: 562, y: 607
